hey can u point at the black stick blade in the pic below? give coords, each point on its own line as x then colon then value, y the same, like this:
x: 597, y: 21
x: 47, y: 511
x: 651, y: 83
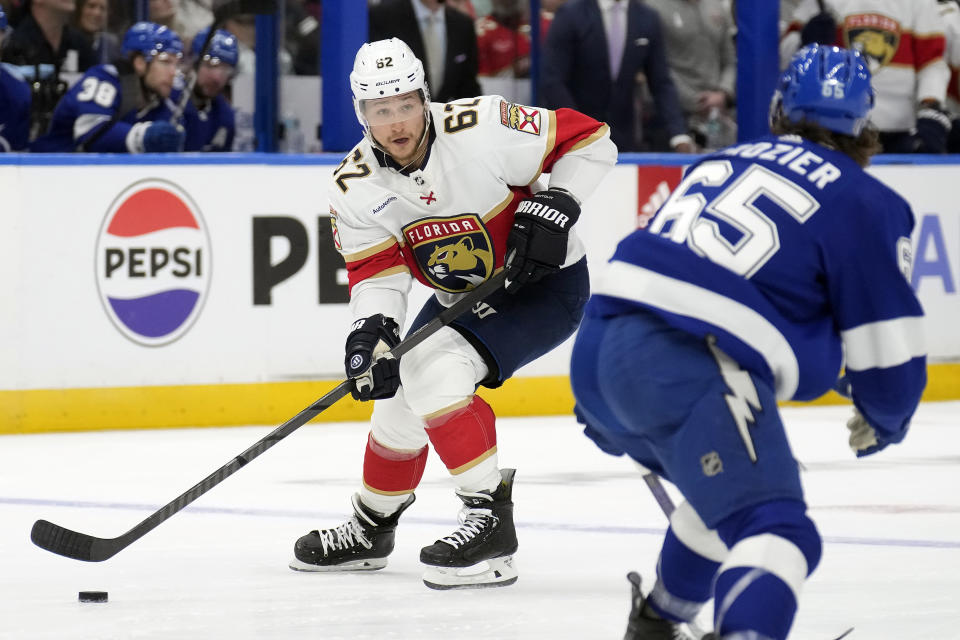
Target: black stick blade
x: 67, y: 543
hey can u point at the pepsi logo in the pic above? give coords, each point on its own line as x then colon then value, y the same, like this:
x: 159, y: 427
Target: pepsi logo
x: 153, y: 262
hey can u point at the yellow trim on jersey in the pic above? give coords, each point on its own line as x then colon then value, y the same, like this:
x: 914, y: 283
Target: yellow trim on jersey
x: 551, y: 143
x: 454, y: 407
x: 596, y: 135
x: 470, y: 465
x: 392, y: 271
x: 366, y: 253
x: 497, y: 210
x: 272, y: 403
x: 386, y: 493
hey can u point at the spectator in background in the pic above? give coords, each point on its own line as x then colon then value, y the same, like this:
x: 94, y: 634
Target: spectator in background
x: 904, y: 43
x: 91, y: 20
x: 703, y: 65
x: 442, y: 37
x: 950, y: 12
x: 130, y: 108
x: 548, y: 9
x: 195, y: 15
x: 14, y: 102
x: 465, y: 7
x: 595, y: 50
x: 303, y: 21
x: 245, y: 28
x: 45, y: 36
x: 166, y: 13
x: 503, y: 40
x: 211, y: 125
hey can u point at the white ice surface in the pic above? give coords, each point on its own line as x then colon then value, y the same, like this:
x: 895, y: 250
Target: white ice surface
x: 891, y: 564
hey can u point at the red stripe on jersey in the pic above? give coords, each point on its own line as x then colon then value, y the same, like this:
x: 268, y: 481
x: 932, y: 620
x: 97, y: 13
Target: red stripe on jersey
x: 926, y: 49
x: 360, y: 270
x: 572, y: 127
x: 386, y: 470
x: 498, y: 228
x: 464, y: 434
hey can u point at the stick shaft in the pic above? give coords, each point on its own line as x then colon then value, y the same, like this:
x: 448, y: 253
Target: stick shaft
x: 81, y: 546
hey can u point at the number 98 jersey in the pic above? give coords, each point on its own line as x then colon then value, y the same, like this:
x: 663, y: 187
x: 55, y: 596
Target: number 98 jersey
x: 446, y: 222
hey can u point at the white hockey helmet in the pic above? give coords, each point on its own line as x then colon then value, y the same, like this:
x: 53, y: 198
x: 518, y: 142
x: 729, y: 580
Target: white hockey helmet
x: 384, y: 69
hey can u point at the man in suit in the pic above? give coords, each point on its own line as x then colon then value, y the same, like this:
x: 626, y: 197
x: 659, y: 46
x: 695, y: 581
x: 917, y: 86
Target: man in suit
x: 594, y: 51
x: 442, y: 37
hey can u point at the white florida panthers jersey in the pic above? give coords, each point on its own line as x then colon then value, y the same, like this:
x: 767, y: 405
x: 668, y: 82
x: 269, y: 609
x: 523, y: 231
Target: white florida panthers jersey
x: 446, y: 223
x: 903, y: 42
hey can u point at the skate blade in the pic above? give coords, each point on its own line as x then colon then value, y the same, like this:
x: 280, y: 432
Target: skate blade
x: 370, y: 564
x: 496, y: 572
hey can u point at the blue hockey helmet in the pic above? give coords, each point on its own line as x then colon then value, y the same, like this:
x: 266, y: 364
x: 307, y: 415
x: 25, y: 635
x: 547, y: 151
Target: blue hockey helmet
x: 828, y: 86
x: 3, y: 19
x: 222, y: 49
x: 150, y: 39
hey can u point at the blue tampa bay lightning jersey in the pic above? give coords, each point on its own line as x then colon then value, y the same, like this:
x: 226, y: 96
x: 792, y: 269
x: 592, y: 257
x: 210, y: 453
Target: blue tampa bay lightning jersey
x: 815, y: 256
x: 210, y: 128
x: 14, y: 109
x: 90, y: 104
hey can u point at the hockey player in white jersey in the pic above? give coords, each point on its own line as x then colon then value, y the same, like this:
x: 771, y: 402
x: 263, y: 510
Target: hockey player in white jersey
x: 904, y: 45
x: 771, y: 263
x: 442, y: 193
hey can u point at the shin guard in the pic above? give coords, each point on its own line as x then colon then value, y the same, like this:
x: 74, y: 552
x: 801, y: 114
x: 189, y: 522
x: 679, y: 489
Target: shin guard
x: 466, y: 440
x: 390, y: 472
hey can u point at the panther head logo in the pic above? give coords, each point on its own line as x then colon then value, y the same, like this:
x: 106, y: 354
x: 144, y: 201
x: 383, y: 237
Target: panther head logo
x: 876, y: 36
x: 460, y: 260
x: 875, y: 45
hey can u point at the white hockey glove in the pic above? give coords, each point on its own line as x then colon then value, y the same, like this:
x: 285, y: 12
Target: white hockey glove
x: 863, y: 438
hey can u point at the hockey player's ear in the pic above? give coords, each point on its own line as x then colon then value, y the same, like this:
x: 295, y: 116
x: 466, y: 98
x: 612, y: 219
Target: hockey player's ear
x: 140, y: 65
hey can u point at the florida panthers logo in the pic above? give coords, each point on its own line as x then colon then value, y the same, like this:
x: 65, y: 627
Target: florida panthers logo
x: 876, y: 36
x: 454, y: 254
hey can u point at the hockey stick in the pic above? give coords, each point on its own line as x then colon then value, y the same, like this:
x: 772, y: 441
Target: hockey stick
x: 666, y: 504
x: 82, y: 546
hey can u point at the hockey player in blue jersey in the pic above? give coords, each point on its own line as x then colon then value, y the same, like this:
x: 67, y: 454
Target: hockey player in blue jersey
x: 14, y: 103
x: 211, y: 126
x: 123, y: 110
x: 770, y: 264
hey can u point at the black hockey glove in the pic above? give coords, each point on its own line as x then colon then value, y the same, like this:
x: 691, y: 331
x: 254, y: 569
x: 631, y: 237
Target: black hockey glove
x: 933, y: 128
x: 374, y: 375
x: 537, y: 244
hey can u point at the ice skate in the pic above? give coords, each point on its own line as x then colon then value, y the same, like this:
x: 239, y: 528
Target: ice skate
x: 643, y: 625
x: 480, y: 552
x: 362, y: 543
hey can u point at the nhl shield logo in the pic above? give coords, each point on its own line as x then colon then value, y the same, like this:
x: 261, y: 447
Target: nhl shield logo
x: 454, y: 254
x: 875, y: 36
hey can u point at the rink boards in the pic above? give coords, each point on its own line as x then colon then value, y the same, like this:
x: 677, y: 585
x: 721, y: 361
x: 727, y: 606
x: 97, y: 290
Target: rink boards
x: 206, y: 291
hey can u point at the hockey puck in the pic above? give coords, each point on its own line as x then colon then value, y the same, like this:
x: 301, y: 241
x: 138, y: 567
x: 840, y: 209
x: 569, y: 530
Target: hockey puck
x: 93, y: 596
